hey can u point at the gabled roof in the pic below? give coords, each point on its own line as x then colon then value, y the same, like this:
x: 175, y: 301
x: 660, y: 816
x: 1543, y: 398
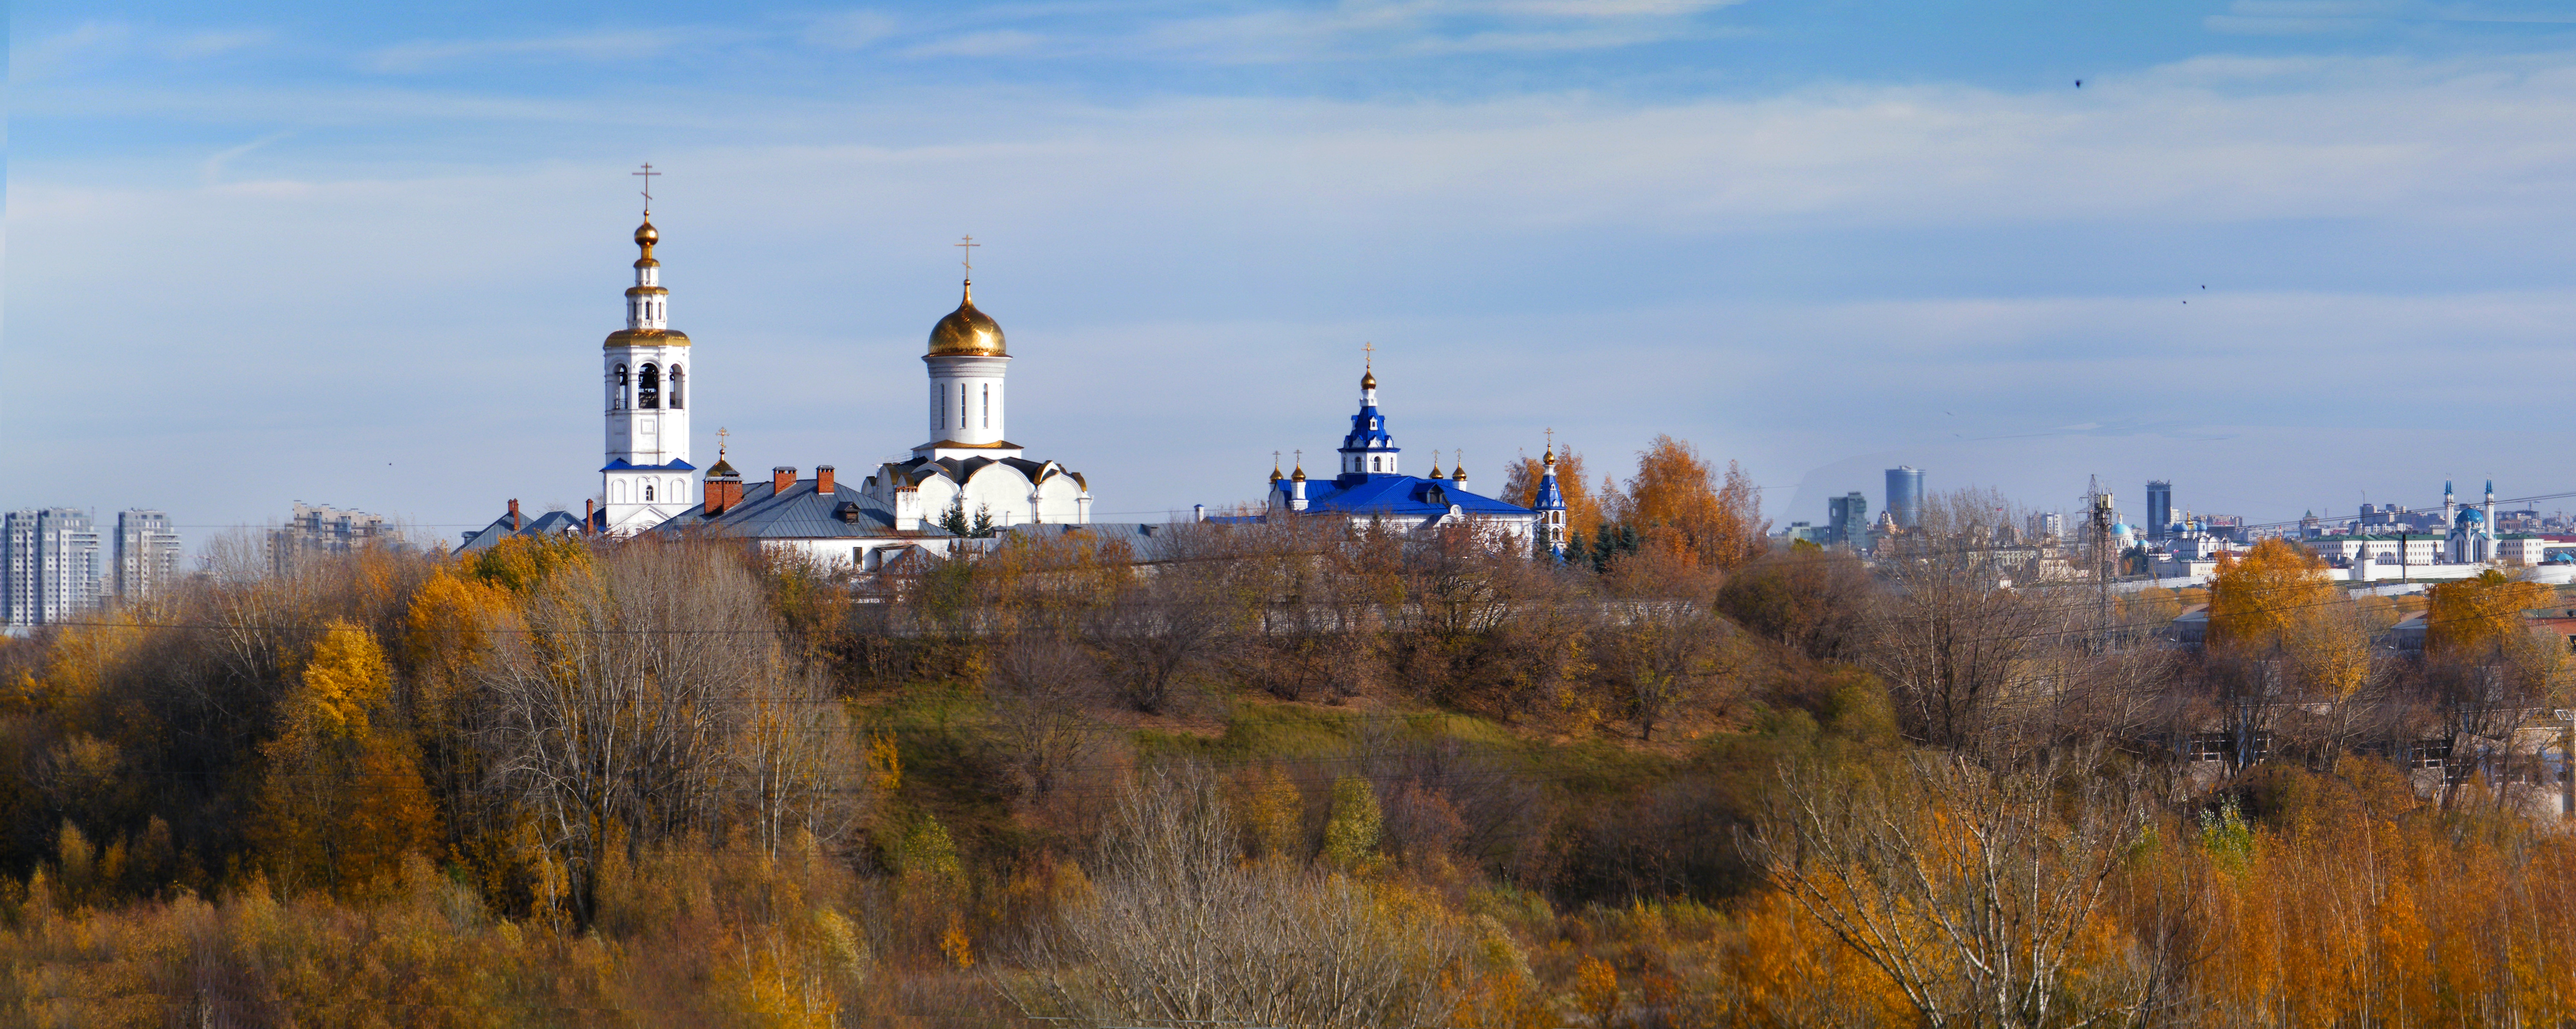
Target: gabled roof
x: 551, y: 523
x: 799, y: 512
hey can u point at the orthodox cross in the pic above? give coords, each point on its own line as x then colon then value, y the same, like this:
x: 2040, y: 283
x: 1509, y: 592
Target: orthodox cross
x: 648, y: 174
x: 1551, y: 439
x: 1274, y: 460
x: 720, y: 442
x: 1370, y: 358
x: 1301, y: 459
x: 967, y: 248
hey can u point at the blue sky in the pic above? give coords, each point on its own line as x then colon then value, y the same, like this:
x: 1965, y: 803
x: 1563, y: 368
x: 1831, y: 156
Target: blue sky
x: 2291, y: 254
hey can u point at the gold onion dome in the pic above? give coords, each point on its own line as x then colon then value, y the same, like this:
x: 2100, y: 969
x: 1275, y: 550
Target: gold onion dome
x: 1274, y: 473
x: 1300, y: 474
x: 645, y: 235
x: 1368, y: 379
x: 967, y: 332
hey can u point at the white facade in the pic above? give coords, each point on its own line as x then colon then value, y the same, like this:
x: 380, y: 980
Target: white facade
x: 967, y: 407
x: 51, y: 558
x: 147, y: 554
x: 645, y: 370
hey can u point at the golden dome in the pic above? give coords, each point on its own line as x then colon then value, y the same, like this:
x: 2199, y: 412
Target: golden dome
x: 1274, y: 473
x: 1368, y: 380
x: 645, y: 236
x: 967, y: 332
x: 1300, y: 474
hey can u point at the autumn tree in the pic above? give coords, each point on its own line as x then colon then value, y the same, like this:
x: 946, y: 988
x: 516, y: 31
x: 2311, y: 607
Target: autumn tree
x: 343, y: 800
x: 2266, y: 598
x: 1975, y: 889
x: 1952, y: 633
x: 2480, y: 613
x: 1678, y: 498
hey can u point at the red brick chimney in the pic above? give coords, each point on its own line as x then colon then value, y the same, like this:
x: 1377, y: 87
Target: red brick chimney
x: 589, y: 510
x: 514, y: 514
x: 781, y: 478
x: 823, y: 479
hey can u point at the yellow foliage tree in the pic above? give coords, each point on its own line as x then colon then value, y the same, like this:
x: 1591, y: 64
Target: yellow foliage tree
x: 342, y: 801
x: 2260, y: 600
x: 2479, y: 613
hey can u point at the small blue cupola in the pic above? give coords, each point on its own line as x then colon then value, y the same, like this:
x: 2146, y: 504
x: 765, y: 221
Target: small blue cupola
x: 1550, y: 505
x: 1369, y: 449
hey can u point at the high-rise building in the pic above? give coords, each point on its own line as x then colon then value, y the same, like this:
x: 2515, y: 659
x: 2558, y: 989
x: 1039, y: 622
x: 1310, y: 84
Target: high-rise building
x: 1905, y: 496
x: 52, y: 565
x: 1846, y: 518
x: 2159, y: 509
x: 2047, y: 525
x: 317, y: 529
x: 147, y: 554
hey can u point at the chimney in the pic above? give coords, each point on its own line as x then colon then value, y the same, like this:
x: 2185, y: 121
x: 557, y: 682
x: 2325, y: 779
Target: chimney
x: 514, y: 514
x: 781, y: 478
x: 823, y: 479
x: 589, y: 511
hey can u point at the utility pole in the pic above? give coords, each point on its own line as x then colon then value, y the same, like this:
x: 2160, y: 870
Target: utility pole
x: 2099, y: 515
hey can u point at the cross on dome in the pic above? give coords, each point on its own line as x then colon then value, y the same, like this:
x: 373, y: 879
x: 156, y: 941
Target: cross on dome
x: 967, y: 258
x: 648, y: 174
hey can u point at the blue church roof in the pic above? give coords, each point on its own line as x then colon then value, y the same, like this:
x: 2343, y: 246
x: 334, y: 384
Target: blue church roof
x: 1403, y: 495
x: 622, y: 465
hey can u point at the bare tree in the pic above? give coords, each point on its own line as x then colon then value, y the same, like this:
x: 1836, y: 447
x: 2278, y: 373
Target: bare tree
x: 643, y: 690
x: 1969, y: 886
x: 1179, y: 929
x: 1953, y: 631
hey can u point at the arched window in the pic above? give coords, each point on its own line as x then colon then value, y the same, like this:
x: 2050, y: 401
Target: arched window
x: 943, y: 406
x: 961, y: 405
x: 648, y: 493
x: 677, y: 377
x: 988, y: 405
x: 648, y: 388
x: 617, y: 396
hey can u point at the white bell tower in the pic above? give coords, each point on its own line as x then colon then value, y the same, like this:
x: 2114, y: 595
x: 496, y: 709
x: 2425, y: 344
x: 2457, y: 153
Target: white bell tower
x: 646, y: 374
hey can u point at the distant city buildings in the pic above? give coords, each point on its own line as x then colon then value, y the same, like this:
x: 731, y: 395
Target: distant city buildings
x: 1905, y: 496
x: 1846, y: 520
x: 317, y: 529
x: 51, y: 557
x: 2160, y: 521
x: 146, y: 554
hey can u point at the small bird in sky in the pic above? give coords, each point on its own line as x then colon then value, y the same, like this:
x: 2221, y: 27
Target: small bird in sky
x: 2079, y: 83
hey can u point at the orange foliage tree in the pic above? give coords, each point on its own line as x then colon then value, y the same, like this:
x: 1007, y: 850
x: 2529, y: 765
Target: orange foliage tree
x: 1677, y: 499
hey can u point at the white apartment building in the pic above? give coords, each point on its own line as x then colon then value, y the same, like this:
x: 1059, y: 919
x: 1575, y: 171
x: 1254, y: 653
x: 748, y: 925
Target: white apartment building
x: 51, y: 562
x: 147, y: 554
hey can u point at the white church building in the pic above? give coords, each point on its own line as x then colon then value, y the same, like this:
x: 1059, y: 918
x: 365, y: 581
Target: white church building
x: 966, y: 470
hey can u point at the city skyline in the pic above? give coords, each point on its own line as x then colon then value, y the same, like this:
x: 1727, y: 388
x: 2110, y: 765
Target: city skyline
x: 372, y: 256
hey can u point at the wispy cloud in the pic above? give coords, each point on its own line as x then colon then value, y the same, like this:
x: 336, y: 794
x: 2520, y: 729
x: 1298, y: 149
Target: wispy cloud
x: 1353, y: 30
x: 212, y: 171
x: 2327, y: 17
x: 428, y: 55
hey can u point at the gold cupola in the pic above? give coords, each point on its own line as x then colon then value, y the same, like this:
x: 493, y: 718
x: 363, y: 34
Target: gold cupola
x: 967, y: 332
x: 647, y: 303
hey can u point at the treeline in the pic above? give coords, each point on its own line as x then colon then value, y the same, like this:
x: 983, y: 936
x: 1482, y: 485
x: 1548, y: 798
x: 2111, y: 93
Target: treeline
x: 1278, y: 774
